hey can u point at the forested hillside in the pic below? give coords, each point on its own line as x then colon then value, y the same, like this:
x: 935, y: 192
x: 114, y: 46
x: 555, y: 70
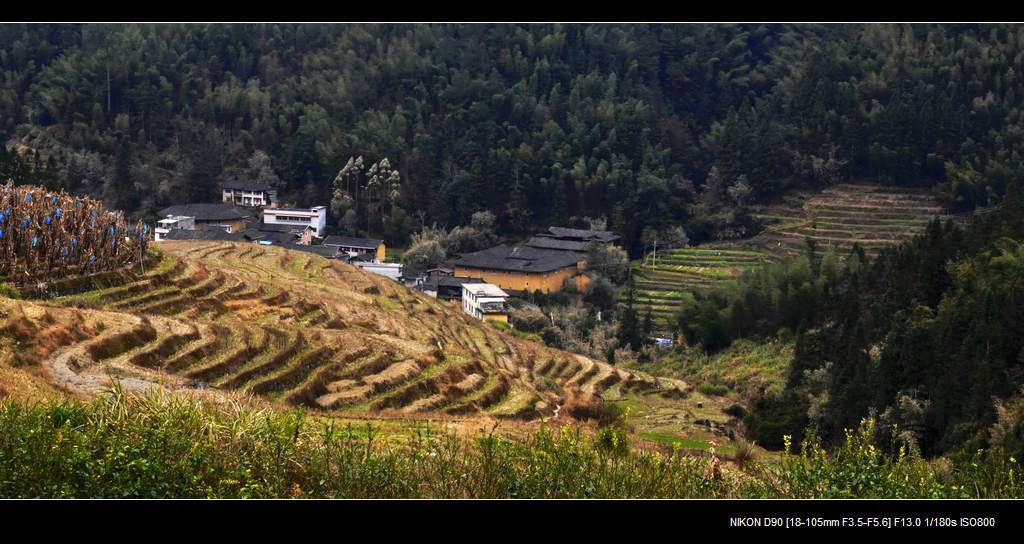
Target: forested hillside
x: 651, y: 126
x: 927, y: 337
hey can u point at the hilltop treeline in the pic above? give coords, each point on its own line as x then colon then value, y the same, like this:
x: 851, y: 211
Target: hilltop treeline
x: 651, y: 126
x: 929, y: 336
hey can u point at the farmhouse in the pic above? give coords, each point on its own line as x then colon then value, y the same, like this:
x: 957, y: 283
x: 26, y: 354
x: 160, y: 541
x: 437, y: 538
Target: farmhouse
x: 388, y: 270
x: 523, y: 268
x: 485, y: 301
x: 208, y: 235
x: 249, y: 193
x: 226, y: 217
x: 172, y: 222
x: 358, y: 246
x: 315, y: 217
x: 279, y: 235
x: 323, y: 251
x: 447, y: 287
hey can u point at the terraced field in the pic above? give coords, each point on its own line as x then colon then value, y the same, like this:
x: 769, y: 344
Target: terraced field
x: 661, y: 285
x: 294, y: 329
x: 870, y: 215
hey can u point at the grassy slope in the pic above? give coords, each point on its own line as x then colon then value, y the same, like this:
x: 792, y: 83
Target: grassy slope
x: 223, y: 320
x: 169, y: 446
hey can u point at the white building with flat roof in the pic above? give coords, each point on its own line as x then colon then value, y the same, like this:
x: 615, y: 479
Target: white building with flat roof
x: 315, y: 217
x: 171, y: 222
x: 485, y: 301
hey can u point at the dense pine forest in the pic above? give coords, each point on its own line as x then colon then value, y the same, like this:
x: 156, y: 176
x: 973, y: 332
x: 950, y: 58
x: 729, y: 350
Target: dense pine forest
x: 649, y: 126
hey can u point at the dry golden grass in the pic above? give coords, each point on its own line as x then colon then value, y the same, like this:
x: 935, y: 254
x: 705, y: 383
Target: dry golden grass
x: 221, y: 318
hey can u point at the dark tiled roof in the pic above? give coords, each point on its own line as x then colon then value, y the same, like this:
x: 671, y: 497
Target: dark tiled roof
x: 246, y: 185
x: 207, y: 212
x: 348, y: 241
x: 207, y: 234
x: 581, y: 234
x: 273, y: 227
x: 323, y: 251
x: 278, y: 238
x: 544, y: 242
x: 409, y: 273
x: 361, y: 258
x: 518, y: 259
x: 432, y: 283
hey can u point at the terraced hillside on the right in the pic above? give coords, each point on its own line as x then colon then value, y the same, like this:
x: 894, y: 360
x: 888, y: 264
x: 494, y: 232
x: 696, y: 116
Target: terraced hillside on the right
x: 872, y: 216
x: 836, y: 218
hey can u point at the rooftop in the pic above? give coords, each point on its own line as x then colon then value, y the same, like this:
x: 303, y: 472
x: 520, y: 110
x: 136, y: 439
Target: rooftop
x: 485, y: 290
x: 312, y: 210
x: 323, y: 251
x: 247, y: 185
x: 207, y: 212
x: 208, y: 234
x: 544, y: 242
x: 277, y: 237
x: 432, y: 283
x: 581, y: 234
x: 518, y: 259
x: 275, y: 227
x: 348, y: 241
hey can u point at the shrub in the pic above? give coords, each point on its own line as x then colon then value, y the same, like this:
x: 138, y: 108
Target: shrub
x: 529, y: 321
x: 613, y: 440
x: 715, y: 389
x: 7, y: 290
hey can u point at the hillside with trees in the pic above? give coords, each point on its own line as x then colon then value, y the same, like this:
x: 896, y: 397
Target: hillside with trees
x: 650, y: 126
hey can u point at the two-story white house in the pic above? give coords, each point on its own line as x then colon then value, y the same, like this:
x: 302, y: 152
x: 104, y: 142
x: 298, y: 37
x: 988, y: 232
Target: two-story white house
x: 249, y: 193
x: 315, y: 217
x: 485, y: 301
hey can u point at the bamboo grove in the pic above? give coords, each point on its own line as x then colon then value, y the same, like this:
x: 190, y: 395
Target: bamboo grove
x: 47, y: 235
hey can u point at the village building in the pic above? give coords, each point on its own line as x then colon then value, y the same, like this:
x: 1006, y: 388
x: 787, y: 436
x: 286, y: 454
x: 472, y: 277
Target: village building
x: 524, y: 268
x: 413, y: 279
x: 173, y: 222
x: 388, y: 270
x: 440, y: 271
x: 315, y: 217
x: 279, y: 235
x: 446, y: 287
x: 208, y: 235
x: 358, y: 246
x: 224, y: 217
x: 485, y: 301
x: 323, y: 251
x: 249, y: 193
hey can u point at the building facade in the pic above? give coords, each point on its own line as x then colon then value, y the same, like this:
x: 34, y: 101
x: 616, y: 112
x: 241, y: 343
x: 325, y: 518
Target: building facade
x: 173, y: 222
x: 523, y: 268
x: 249, y: 193
x: 226, y: 217
x: 485, y: 301
x: 315, y: 217
x: 354, y: 247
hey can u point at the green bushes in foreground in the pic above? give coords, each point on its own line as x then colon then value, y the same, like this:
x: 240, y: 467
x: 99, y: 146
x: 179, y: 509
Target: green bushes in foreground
x: 166, y: 446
